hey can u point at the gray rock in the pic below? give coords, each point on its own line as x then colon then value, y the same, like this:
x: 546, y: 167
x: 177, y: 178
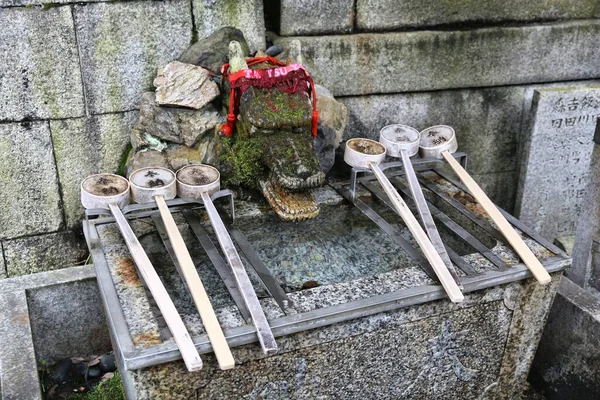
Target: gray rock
x: 246, y: 15
x: 39, y: 72
x: 565, y: 243
x: 212, y: 51
x: 121, y: 46
x: 306, y: 17
x: 49, y: 3
x: 48, y: 252
x: 184, y: 85
x: 86, y: 146
x: 556, y: 153
x: 434, y: 60
x: 378, y: 15
x: 273, y: 51
x: 333, y: 116
x: 176, y: 125
x: 29, y: 191
x: 148, y: 158
x: 107, y: 363
x: 60, y: 371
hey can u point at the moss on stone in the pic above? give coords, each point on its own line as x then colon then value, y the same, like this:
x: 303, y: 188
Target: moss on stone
x: 240, y: 161
x: 110, y: 389
x: 272, y: 108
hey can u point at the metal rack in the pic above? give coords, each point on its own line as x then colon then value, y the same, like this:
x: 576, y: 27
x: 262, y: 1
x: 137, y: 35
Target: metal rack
x: 131, y: 358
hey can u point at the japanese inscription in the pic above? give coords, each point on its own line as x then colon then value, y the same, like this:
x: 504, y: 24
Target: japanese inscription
x: 556, y: 157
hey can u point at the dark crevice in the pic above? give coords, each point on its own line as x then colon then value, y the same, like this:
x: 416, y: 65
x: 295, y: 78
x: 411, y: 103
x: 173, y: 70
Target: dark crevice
x: 4, y: 121
x: 272, y: 15
x: 61, y: 202
x: 3, y: 259
x: 83, y: 91
x: 194, y: 31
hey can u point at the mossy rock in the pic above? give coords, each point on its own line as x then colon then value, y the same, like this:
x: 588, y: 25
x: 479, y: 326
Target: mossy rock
x: 273, y: 109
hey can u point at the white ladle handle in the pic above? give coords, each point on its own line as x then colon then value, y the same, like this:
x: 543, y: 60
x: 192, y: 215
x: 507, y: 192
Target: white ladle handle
x: 425, y: 215
x: 507, y: 230
x: 431, y: 254
x: 182, y: 338
x: 196, y: 288
x: 263, y: 330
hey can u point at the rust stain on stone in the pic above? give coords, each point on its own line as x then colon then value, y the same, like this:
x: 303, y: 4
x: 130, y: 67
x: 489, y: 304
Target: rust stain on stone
x: 126, y: 271
x: 147, y: 339
x: 21, y: 318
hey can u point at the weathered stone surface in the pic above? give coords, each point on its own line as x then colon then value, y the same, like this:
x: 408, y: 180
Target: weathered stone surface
x: 389, y: 14
x: 487, y: 121
x: 500, y: 188
x: 49, y: 3
x: 28, y: 182
x: 271, y: 108
x: 33, y: 254
x: 446, y: 352
x: 305, y: 17
x: 556, y: 151
x: 246, y: 15
x: 86, y: 146
x: 39, y: 72
x: 177, y: 125
x: 148, y: 158
x: 428, y: 60
x: 565, y: 243
x: 122, y: 44
x: 567, y: 362
x: 212, y: 51
x: 333, y: 116
x: 68, y: 320
x: 184, y: 85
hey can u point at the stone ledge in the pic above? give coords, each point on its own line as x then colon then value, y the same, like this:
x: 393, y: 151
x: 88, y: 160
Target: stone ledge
x: 40, y: 76
x: 33, y: 254
x: 378, y: 15
x: 435, y: 60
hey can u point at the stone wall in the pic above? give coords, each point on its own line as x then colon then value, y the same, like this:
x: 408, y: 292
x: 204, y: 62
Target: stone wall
x: 71, y: 76
x: 72, y: 73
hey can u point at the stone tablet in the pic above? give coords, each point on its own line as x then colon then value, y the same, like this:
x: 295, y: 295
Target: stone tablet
x: 556, y: 157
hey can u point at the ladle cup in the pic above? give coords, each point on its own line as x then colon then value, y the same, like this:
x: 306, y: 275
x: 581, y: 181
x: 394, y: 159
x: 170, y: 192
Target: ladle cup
x: 403, y: 141
x: 159, y: 184
x: 440, y: 141
x: 367, y: 153
x: 112, y: 192
x: 199, y: 181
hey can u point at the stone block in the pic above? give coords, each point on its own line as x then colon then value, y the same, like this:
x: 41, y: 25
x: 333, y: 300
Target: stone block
x: 435, y: 60
x: 500, y: 188
x: 86, y: 146
x: 246, y: 15
x: 33, y: 254
x: 487, y: 121
x: 567, y: 363
x: 28, y: 181
x: 39, y: 73
x: 378, y: 15
x: 306, y: 17
x: 556, y: 152
x: 123, y: 44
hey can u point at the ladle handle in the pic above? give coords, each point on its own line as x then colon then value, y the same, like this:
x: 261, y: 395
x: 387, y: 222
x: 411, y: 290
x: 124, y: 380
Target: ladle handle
x: 507, y: 230
x: 263, y: 330
x: 182, y: 338
x: 431, y: 254
x: 196, y: 288
x: 425, y: 215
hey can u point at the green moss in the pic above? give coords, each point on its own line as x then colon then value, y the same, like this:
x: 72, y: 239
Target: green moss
x: 110, y: 389
x: 231, y: 12
x: 127, y: 154
x: 241, y: 161
x: 194, y: 38
x: 48, y: 6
